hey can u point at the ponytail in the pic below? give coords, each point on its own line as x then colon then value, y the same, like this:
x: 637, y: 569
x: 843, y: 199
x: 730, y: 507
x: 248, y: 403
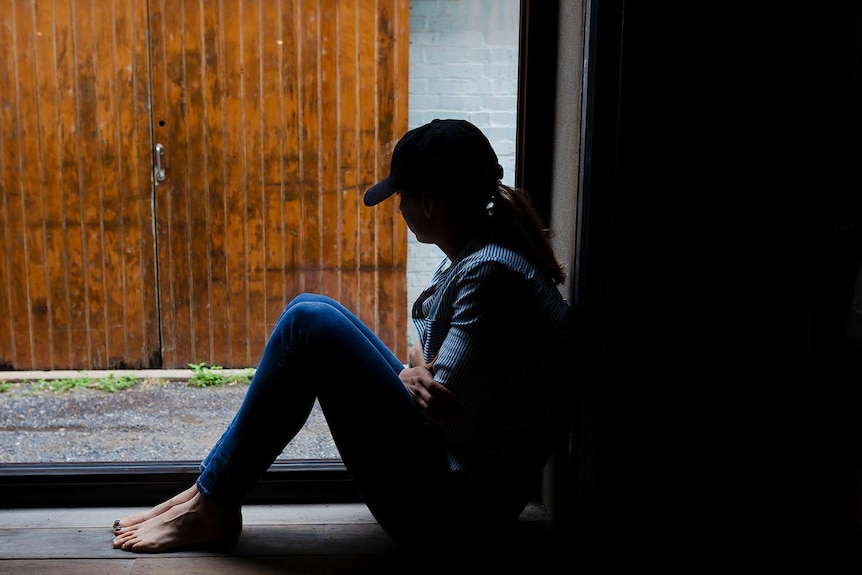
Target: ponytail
x: 515, y: 224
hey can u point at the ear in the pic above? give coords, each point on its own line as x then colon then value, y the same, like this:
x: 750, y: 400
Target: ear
x: 427, y: 204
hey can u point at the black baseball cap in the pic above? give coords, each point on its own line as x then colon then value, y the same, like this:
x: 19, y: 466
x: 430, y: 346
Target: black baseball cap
x: 443, y: 155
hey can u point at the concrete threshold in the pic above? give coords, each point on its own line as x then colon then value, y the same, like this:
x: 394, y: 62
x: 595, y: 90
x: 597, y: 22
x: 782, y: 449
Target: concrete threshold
x: 171, y: 374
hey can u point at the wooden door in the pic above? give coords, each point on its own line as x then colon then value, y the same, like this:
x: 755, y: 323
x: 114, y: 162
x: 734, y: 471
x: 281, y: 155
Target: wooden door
x: 273, y: 118
x: 77, y: 264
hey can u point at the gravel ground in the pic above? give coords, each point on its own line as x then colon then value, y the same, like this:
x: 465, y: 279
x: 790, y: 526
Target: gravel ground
x: 151, y: 421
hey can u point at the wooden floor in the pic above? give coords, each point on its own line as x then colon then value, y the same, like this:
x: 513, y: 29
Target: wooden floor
x: 276, y: 539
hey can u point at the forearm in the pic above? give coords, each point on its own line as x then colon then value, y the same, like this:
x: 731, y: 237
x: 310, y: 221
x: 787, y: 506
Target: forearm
x: 414, y: 356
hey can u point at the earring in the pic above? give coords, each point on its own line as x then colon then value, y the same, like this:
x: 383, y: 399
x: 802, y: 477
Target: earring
x: 489, y: 207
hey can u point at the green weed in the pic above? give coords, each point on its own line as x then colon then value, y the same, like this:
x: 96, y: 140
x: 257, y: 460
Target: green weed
x: 109, y: 384
x: 112, y: 384
x: 204, y: 375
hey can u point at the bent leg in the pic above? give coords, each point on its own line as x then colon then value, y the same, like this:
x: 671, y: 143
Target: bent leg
x: 399, y: 466
x: 320, y: 350
x: 276, y: 406
x: 301, y: 352
x: 363, y: 331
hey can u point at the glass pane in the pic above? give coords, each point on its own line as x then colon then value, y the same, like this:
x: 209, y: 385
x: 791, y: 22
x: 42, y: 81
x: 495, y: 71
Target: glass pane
x: 463, y: 63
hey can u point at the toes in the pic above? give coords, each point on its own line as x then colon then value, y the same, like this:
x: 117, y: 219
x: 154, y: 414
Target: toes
x: 122, y: 539
x: 124, y: 543
x: 135, y: 544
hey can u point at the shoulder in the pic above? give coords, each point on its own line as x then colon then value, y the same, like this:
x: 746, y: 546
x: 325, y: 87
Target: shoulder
x: 495, y: 259
x: 493, y: 273
x: 499, y: 273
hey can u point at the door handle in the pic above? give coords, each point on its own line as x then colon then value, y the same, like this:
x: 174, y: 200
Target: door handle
x: 158, y: 170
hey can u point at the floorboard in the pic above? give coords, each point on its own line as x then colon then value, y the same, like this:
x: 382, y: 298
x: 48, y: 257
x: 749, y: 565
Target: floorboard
x: 67, y: 567
x: 276, y: 539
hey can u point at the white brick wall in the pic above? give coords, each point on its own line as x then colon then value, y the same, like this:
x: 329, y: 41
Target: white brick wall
x: 463, y: 64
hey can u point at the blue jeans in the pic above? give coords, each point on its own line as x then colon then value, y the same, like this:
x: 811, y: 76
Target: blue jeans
x: 319, y: 350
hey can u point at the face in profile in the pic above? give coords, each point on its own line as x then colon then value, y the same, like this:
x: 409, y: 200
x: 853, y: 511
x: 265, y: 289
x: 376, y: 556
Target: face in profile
x: 415, y: 216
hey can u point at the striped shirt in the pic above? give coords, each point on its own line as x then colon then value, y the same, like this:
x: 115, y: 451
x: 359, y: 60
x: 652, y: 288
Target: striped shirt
x: 496, y: 329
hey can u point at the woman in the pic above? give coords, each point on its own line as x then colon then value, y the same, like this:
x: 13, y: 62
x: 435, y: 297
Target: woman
x: 457, y: 439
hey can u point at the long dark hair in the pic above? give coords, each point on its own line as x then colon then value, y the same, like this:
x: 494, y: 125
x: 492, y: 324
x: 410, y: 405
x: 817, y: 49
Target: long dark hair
x: 515, y: 223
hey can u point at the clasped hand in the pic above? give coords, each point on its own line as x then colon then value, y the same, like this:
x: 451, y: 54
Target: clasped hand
x: 435, y: 401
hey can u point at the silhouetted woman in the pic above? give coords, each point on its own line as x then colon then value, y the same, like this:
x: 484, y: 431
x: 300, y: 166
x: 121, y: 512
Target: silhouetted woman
x: 455, y: 441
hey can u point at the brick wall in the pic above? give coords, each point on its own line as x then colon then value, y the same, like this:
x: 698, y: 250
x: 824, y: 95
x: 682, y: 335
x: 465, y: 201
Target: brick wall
x: 463, y: 64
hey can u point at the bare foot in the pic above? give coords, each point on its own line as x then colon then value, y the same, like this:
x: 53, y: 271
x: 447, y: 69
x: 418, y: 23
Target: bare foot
x: 195, y: 522
x: 130, y: 520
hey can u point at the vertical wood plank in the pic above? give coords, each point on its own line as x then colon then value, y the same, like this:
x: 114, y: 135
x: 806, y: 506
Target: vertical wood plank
x: 272, y: 187
x: 369, y: 147
x: 91, y: 187
x: 291, y: 158
x: 252, y: 45
x: 59, y: 337
x: 7, y: 338
x: 182, y: 155
x: 330, y: 204
x: 89, y: 184
x: 111, y: 187
x: 309, y: 18
x: 237, y: 202
x: 386, y: 133
x: 77, y: 293
x: 349, y: 184
x: 195, y: 170
x: 400, y: 82
x: 35, y: 199
x: 17, y: 340
x: 172, y: 195
x: 214, y: 154
x: 30, y: 186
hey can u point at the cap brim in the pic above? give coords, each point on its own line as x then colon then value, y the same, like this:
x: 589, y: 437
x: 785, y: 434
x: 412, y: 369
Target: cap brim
x: 379, y: 192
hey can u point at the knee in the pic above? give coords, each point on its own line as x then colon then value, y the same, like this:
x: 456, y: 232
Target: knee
x: 300, y: 305
x: 309, y: 297
x: 303, y: 319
